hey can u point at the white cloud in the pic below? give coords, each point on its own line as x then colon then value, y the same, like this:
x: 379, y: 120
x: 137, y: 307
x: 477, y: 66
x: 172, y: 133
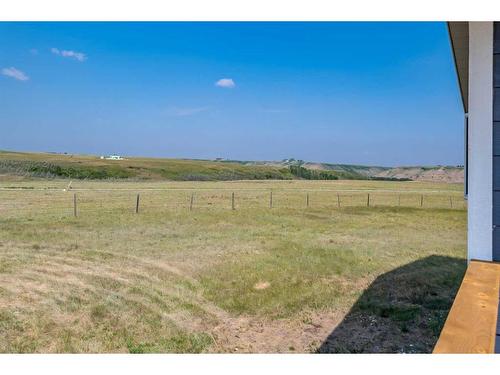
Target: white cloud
x: 182, y: 112
x: 227, y: 83
x: 70, y: 54
x: 15, y: 73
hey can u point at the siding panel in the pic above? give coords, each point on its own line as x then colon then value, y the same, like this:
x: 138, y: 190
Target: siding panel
x: 496, y: 208
x: 496, y: 37
x: 496, y: 70
x: 496, y: 105
x: 496, y: 173
x: 496, y: 244
x: 496, y: 138
x: 496, y: 142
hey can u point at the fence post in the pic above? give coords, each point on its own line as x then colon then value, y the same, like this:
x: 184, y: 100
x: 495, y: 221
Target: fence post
x: 399, y: 200
x: 422, y: 200
x: 338, y: 200
x: 307, y: 200
x: 191, y: 202
x: 368, y: 201
x: 74, y: 205
x: 232, y: 201
x: 451, y: 202
x: 271, y: 200
x: 137, y: 204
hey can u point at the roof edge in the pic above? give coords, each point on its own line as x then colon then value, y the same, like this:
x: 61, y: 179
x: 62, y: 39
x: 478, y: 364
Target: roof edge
x: 458, y: 33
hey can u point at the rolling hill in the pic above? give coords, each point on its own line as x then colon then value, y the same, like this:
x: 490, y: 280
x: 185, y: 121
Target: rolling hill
x: 57, y: 165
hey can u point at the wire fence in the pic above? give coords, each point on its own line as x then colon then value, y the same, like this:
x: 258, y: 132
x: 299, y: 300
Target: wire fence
x: 17, y: 203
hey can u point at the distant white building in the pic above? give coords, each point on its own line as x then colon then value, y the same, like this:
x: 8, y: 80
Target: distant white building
x: 112, y: 157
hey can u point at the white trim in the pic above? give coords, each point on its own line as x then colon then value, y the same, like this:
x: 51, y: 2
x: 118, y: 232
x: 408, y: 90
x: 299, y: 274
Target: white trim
x: 480, y: 202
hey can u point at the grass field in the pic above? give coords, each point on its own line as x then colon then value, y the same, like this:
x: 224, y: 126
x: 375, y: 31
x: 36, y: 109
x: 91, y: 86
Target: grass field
x: 139, y: 168
x: 211, y: 279
x: 92, y: 167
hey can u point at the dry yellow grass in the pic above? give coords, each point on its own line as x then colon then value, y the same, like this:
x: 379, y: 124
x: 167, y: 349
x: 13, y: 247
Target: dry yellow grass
x: 173, y: 280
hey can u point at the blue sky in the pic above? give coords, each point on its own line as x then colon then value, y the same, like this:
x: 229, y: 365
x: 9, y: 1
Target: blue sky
x: 355, y: 93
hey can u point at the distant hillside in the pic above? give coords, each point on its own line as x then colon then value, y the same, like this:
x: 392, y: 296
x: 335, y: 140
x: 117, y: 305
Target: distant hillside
x: 48, y: 165
x: 52, y: 165
x: 449, y: 174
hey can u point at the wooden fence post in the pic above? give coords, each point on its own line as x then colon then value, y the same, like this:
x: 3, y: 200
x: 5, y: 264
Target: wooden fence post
x: 307, y: 200
x: 74, y: 205
x: 338, y: 200
x: 271, y: 200
x: 368, y: 201
x: 191, y: 202
x: 137, y: 204
x: 451, y: 202
x: 232, y: 201
x: 422, y: 200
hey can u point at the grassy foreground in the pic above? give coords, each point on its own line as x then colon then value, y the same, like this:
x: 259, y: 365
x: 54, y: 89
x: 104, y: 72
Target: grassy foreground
x: 213, y: 279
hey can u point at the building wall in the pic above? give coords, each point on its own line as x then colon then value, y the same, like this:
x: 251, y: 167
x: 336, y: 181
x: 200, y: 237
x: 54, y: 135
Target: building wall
x: 496, y: 141
x: 480, y: 147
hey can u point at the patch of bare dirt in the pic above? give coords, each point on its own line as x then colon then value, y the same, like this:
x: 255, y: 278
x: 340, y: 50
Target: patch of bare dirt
x: 256, y: 335
x: 261, y: 285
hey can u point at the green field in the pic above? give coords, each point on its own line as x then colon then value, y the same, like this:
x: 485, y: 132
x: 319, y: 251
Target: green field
x: 207, y: 278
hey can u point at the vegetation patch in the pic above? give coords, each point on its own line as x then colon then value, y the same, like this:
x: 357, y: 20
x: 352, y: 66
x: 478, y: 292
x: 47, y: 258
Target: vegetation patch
x: 54, y: 165
x: 213, y: 279
x: 51, y: 170
x: 179, y: 343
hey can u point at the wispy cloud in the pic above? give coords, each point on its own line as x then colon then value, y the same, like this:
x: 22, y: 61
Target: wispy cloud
x: 69, y: 54
x: 15, y: 73
x: 34, y: 51
x: 189, y: 111
x: 227, y: 83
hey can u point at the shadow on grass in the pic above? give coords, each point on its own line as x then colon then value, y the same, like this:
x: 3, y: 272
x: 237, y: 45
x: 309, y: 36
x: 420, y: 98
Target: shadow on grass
x: 402, y: 311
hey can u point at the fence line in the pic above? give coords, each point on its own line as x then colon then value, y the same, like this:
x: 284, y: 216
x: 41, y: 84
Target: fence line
x: 82, y: 202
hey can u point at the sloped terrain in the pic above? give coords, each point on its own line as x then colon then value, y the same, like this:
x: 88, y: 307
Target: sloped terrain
x: 47, y: 165
x: 52, y: 165
x: 437, y: 174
